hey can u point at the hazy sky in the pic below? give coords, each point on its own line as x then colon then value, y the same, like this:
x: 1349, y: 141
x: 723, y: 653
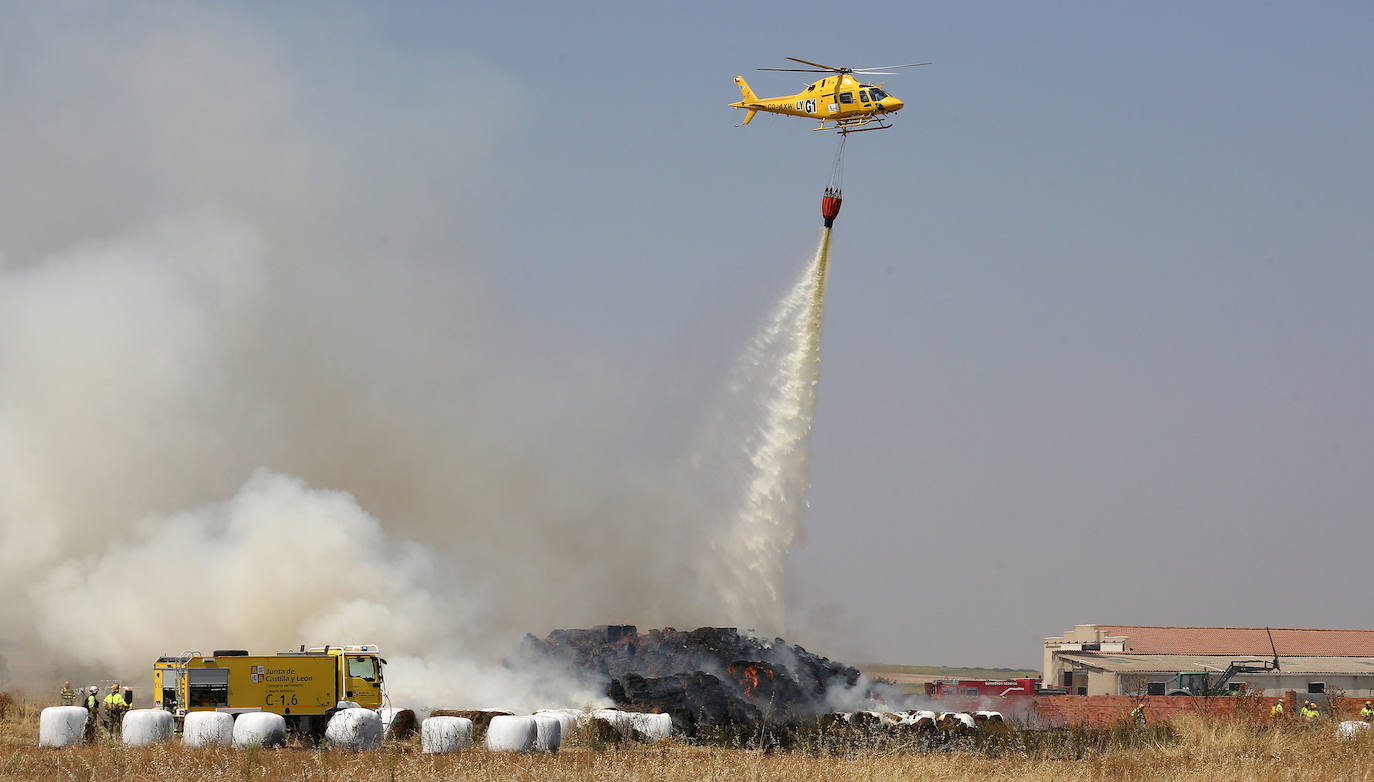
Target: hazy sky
x: 1098, y: 341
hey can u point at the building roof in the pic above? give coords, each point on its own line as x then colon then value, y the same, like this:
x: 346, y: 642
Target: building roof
x: 1117, y: 662
x: 1144, y: 639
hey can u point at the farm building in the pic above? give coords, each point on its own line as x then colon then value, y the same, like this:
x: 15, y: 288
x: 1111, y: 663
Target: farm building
x: 1133, y: 659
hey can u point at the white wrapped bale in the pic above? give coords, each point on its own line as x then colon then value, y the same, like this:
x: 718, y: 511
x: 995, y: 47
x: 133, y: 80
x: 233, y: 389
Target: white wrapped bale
x: 653, y: 726
x: 548, y: 733
x: 59, y: 726
x: 1348, y: 729
x: 877, y: 718
x: 147, y: 726
x: 567, y: 719
x: 922, y: 719
x: 442, y: 735
x: 620, y: 720
x: 508, y: 733
x: 354, y: 729
x: 956, y: 722
x: 207, y: 729
x: 259, y: 729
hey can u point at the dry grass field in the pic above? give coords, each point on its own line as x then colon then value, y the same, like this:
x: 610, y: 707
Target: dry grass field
x: 1191, y: 750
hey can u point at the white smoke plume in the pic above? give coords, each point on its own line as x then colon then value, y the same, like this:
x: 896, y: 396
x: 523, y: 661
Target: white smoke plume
x: 250, y: 395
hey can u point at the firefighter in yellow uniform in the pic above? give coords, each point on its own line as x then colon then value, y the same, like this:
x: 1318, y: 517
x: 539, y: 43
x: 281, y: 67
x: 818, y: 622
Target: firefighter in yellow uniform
x: 1367, y: 713
x: 68, y: 694
x: 1309, y: 711
x: 114, y: 709
x: 1138, y: 715
x: 1276, y: 711
x: 92, y: 705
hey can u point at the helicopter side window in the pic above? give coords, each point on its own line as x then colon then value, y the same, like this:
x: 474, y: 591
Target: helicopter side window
x: 846, y: 97
x: 863, y: 96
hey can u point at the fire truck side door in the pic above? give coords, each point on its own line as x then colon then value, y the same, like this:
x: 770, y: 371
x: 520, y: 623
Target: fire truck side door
x: 363, y: 679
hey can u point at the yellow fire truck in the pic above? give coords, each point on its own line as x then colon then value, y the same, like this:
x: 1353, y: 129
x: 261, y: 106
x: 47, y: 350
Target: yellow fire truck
x: 304, y: 686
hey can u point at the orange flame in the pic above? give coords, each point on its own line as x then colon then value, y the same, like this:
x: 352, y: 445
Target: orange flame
x: 750, y: 676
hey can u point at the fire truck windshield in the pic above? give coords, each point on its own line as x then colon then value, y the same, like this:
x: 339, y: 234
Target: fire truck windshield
x: 362, y: 667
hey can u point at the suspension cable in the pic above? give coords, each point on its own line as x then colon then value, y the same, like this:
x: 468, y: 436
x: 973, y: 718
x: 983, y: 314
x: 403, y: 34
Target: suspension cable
x: 837, y: 169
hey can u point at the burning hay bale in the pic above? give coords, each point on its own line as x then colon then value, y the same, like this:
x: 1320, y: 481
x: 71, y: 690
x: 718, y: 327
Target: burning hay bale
x: 207, y: 729
x: 689, y: 698
x: 442, y: 735
x: 59, y: 726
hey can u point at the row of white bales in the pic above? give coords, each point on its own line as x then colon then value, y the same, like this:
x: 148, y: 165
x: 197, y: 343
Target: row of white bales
x: 361, y: 729
x: 921, y: 719
x: 355, y: 729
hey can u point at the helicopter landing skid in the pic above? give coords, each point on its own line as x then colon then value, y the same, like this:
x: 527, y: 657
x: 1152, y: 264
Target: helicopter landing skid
x: 852, y: 126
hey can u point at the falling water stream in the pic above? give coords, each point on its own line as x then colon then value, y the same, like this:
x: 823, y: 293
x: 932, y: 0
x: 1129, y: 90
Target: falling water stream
x: 776, y: 376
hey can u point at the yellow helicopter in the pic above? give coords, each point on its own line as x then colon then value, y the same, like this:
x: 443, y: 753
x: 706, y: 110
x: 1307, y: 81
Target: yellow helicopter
x: 841, y: 102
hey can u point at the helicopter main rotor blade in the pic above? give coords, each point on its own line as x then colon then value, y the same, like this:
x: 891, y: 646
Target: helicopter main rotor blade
x: 796, y: 70
x: 815, y: 64
x: 875, y: 73
x: 885, y: 67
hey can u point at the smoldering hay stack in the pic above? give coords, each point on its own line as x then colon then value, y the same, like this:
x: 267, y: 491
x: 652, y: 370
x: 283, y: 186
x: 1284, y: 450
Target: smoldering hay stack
x: 271, y: 356
x: 706, y: 676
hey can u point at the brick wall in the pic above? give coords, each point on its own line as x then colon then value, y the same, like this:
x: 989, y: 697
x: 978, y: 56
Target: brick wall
x: 1099, y: 710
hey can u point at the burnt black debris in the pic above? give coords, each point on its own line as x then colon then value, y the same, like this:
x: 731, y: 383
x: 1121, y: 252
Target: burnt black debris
x: 706, y: 676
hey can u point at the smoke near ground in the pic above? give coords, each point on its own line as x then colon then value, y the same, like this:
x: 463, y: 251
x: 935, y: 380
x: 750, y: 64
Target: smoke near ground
x: 252, y: 395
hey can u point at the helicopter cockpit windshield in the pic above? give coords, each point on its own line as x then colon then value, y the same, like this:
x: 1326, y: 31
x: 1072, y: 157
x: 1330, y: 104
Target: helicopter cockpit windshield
x: 876, y: 93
